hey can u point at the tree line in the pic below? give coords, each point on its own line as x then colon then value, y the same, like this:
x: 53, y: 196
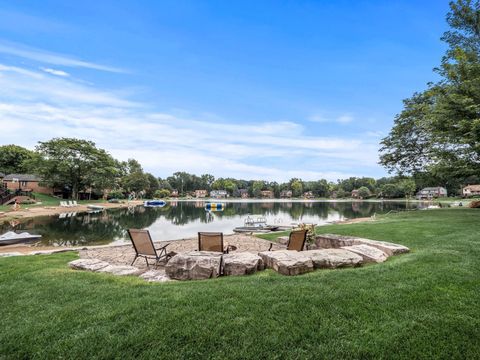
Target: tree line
x: 75, y: 166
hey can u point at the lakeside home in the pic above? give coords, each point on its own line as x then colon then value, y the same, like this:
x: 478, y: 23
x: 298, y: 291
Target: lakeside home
x: 471, y: 190
x: 243, y: 193
x: 286, y: 194
x: 267, y: 194
x: 308, y: 195
x: 218, y: 194
x: 25, y: 182
x: 432, y: 193
x: 201, y: 193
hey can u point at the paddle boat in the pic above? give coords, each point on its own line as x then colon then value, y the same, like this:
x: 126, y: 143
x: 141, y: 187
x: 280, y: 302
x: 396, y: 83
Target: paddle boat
x: 95, y: 207
x: 154, y: 203
x: 12, y: 237
x: 214, y: 206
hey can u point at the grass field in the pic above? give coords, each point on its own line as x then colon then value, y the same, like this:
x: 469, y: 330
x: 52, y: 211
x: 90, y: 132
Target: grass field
x: 45, y: 200
x: 425, y: 304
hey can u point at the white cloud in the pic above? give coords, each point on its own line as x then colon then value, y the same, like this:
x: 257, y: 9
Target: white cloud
x: 30, y: 53
x: 56, y: 72
x: 340, y: 119
x: 36, y: 107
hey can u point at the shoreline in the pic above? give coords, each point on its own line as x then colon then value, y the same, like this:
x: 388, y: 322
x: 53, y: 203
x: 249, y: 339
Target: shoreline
x: 37, y: 211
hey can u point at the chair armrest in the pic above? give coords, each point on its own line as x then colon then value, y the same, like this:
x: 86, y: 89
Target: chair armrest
x: 162, y: 247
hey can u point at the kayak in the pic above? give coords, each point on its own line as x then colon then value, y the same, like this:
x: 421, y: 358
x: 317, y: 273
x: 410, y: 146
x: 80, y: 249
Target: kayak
x: 12, y: 237
x: 96, y: 207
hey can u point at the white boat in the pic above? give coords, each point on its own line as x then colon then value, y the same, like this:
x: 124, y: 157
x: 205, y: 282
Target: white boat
x: 12, y: 237
x: 95, y: 207
x: 154, y: 203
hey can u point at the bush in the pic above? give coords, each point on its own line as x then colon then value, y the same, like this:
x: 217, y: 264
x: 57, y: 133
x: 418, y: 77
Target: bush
x: 116, y: 194
x: 162, y: 193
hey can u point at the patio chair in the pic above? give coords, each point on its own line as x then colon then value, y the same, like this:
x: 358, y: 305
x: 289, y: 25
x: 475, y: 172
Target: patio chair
x: 144, y: 247
x: 75, y: 203
x: 211, y: 241
x: 296, y: 240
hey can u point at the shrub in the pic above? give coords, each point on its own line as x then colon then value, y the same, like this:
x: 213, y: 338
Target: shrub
x: 162, y: 193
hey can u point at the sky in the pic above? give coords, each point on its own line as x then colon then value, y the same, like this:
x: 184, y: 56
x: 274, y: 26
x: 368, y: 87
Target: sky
x: 248, y: 89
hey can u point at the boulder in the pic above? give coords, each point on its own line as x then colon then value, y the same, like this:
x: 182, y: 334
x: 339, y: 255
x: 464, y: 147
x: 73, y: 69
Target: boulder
x: 88, y: 264
x: 327, y: 241
x: 387, y: 247
x: 283, y: 240
x: 155, y: 276
x: 368, y: 253
x: 194, y: 265
x: 287, y: 262
x: 334, y: 258
x: 120, y: 270
x: 241, y: 263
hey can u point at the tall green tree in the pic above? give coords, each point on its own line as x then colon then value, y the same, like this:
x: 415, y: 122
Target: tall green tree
x: 74, y: 164
x: 14, y: 159
x: 439, y: 129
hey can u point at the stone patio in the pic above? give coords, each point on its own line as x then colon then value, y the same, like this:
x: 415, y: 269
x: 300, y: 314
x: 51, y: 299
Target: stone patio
x: 337, y: 251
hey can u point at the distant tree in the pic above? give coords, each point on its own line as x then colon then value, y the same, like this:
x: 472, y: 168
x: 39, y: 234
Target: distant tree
x: 162, y: 193
x: 257, y: 188
x: 407, y: 187
x: 14, y: 159
x: 389, y: 191
x: 297, y: 187
x: 364, y: 192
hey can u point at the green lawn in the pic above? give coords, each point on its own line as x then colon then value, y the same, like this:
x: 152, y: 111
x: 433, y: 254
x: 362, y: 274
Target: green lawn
x: 425, y: 304
x: 46, y: 200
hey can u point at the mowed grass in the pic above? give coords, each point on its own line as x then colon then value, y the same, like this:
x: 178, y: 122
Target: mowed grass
x: 425, y: 304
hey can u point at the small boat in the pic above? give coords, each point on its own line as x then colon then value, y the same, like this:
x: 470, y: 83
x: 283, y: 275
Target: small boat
x: 214, y: 206
x: 95, y: 207
x: 256, y: 229
x: 12, y: 237
x: 154, y: 203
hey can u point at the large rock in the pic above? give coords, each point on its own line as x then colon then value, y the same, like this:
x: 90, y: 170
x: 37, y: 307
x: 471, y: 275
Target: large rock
x: 368, y: 253
x: 333, y: 258
x: 338, y: 241
x: 241, y: 263
x: 155, y: 276
x: 287, y: 262
x: 120, y: 270
x: 387, y: 247
x: 329, y: 241
x: 88, y: 264
x: 194, y: 265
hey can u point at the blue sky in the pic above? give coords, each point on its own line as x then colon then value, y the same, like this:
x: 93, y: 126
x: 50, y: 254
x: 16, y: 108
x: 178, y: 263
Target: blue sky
x: 250, y: 89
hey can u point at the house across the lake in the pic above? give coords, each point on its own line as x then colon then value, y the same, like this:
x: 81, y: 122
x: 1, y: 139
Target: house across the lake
x: 308, y: 195
x: 25, y: 182
x: 201, y: 193
x: 286, y: 194
x: 432, y: 193
x: 355, y: 194
x: 218, y: 194
x: 267, y: 194
x: 243, y: 193
x: 471, y: 190
x: 174, y: 193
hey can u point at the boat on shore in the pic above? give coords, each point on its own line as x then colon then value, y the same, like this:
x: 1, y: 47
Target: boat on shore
x: 95, y: 207
x: 11, y: 237
x: 258, y: 224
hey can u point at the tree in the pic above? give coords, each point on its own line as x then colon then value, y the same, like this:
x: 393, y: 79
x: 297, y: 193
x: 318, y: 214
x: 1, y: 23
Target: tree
x: 14, y: 159
x: 74, y: 164
x: 439, y: 129
x: 407, y: 187
x: 364, y: 192
x: 297, y: 187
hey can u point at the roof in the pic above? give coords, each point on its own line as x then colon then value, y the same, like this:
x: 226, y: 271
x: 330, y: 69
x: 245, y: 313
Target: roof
x: 432, y: 188
x: 22, y: 177
x: 473, y: 187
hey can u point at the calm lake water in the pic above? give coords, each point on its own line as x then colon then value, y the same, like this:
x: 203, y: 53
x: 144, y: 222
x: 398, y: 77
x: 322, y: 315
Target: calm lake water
x: 179, y: 220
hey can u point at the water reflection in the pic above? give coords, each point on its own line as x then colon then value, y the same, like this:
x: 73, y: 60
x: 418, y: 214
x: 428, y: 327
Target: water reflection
x: 184, y: 219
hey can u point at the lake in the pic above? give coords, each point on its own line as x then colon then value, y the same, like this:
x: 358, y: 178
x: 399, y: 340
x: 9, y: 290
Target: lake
x: 183, y: 219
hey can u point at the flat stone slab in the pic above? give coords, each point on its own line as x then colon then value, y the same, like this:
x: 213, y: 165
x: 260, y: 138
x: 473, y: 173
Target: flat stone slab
x: 88, y: 264
x: 338, y: 241
x: 334, y: 258
x: 120, y: 270
x: 194, y: 265
x: 155, y: 276
x: 241, y: 263
x: 368, y: 253
x: 287, y: 262
x: 283, y: 240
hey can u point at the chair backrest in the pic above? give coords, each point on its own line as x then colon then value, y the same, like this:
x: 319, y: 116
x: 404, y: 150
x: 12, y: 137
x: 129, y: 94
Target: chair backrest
x: 296, y: 240
x: 75, y: 203
x: 142, y: 242
x: 62, y: 203
x: 70, y: 203
x: 210, y: 241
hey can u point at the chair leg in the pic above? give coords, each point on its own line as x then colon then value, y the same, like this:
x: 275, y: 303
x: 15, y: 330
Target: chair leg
x: 136, y: 256
x: 148, y: 265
